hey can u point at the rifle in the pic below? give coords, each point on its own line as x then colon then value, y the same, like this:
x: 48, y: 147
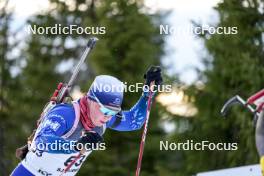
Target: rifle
x: 59, y: 96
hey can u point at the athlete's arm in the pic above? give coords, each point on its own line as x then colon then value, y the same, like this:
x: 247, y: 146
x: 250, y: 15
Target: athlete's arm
x: 132, y: 119
x: 48, y: 137
x: 136, y: 116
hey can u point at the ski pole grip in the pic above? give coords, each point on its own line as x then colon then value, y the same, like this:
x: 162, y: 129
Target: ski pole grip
x: 91, y: 43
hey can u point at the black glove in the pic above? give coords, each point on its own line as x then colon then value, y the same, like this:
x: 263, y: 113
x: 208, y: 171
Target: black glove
x: 89, y: 139
x: 153, y: 74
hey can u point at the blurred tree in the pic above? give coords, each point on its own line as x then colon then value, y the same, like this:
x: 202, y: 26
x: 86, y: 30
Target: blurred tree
x: 4, y: 84
x: 234, y: 66
x: 9, y: 89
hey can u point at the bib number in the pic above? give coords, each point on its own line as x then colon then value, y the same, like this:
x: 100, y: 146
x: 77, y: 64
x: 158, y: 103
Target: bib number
x: 72, y: 158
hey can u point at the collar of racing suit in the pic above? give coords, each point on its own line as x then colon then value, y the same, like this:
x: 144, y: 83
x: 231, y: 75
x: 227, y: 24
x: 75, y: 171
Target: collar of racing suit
x: 84, y: 111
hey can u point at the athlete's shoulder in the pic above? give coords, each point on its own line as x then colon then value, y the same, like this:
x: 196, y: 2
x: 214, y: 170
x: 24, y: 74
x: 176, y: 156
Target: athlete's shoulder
x: 64, y: 108
x: 63, y: 112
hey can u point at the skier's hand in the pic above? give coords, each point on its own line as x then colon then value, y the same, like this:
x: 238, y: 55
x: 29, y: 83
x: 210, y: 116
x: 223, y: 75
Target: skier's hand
x: 88, y: 140
x: 153, y: 74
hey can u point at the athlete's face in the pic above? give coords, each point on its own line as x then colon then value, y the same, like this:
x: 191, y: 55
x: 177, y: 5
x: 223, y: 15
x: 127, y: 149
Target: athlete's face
x: 97, y: 117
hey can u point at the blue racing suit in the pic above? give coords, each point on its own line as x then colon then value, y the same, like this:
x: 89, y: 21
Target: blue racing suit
x: 56, y: 127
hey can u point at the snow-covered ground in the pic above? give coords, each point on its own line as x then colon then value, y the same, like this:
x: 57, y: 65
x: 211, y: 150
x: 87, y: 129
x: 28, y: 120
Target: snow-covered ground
x: 250, y: 170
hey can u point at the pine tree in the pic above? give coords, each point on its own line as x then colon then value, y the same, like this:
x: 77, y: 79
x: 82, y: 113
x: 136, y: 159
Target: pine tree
x: 234, y: 66
x: 9, y: 90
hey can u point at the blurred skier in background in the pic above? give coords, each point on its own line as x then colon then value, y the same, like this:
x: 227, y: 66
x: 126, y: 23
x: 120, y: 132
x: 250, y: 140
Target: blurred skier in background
x: 260, y: 139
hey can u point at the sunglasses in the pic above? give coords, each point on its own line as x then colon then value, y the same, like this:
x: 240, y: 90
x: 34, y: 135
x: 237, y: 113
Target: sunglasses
x: 106, y: 111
